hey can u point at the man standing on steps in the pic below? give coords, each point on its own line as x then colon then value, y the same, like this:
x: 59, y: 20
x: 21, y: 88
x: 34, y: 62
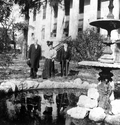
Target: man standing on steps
x: 34, y: 55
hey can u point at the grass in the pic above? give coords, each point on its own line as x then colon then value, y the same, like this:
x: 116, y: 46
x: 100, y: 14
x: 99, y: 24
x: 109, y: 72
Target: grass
x: 20, y: 70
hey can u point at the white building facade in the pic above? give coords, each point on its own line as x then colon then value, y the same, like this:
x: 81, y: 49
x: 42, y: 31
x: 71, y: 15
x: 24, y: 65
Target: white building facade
x: 68, y: 19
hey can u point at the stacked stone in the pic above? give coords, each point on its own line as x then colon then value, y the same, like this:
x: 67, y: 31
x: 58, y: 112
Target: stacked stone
x: 14, y: 85
x: 88, y: 106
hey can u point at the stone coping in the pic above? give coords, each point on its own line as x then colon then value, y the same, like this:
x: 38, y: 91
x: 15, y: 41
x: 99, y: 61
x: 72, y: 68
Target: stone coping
x: 14, y: 85
x: 100, y: 64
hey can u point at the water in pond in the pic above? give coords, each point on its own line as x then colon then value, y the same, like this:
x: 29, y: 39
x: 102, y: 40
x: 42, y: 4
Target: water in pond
x: 40, y: 107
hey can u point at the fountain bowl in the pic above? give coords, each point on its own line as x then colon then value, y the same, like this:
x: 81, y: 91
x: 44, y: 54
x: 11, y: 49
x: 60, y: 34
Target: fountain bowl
x: 107, y: 24
x: 99, y: 64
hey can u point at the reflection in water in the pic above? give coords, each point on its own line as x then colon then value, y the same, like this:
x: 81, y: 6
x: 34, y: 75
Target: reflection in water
x: 43, y: 107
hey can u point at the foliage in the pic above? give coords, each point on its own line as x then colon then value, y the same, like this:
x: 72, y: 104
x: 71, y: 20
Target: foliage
x: 21, y: 26
x: 25, y: 6
x: 32, y: 4
x: 54, y: 3
x: 6, y: 22
x: 5, y: 41
x: 28, y: 4
x: 5, y: 60
x: 5, y: 10
x: 87, y: 46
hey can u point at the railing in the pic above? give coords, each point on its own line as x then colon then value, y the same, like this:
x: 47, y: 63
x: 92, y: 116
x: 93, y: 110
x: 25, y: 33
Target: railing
x: 60, y: 45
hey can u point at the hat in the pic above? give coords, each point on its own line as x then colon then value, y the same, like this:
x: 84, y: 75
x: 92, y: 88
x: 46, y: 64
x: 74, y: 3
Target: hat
x: 51, y: 42
x: 48, y: 43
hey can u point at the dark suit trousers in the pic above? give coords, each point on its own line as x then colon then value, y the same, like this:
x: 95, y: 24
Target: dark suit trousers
x: 33, y: 72
x: 52, y: 68
x: 64, y: 67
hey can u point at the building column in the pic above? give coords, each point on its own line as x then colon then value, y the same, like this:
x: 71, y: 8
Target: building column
x: 115, y: 33
x: 48, y: 22
x: 104, y: 13
x: 86, y: 15
x: 60, y: 22
x: 30, y: 30
x: 38, y: 26
x: 90, y: 12
x: 73, y: 20
x: 54, y: 105
x: 93, y: 10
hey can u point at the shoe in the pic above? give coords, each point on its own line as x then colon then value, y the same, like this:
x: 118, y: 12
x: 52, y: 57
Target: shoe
x: 31, y: 74
x: 33, y: 77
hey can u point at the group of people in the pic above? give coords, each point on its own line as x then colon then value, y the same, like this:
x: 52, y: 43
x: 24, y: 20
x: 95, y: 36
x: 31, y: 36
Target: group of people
x: 35, y: 55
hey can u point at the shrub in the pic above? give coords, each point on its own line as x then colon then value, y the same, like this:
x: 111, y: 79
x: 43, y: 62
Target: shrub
x: 87, y: 46
x: 5, y: 60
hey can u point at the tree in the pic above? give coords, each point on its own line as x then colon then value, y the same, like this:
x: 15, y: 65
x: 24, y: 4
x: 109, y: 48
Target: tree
x: 6, y: 22
x: 32, y: 4
x: 5, y: 29
x: 22, y: 26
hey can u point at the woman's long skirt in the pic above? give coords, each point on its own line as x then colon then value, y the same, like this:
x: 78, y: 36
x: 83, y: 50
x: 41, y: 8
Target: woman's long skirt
x: 47, y: 69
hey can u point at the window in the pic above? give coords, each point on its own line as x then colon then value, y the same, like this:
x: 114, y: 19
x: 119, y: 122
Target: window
x: 54, y: 31
x: 99, y: 5
x: 81, y: 6
x: 55, y: 11
x: 80, y: 26
x: 67, y: 7
x: 44, y: 12
x: 34, y: 14
x: 66, y: 28
x: 98, y: 30
x: 71, y: 3
x: 43, y: 32
x: 38, y: 4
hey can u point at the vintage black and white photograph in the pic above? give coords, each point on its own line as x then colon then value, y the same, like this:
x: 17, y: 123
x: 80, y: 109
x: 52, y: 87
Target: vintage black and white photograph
x: 59, y: 62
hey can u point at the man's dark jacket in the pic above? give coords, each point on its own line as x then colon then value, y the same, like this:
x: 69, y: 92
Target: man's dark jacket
x: 62, y: 55
x: 34, y: 55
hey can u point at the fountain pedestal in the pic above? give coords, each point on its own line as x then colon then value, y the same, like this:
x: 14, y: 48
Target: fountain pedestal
x: 105, y: 77
x: 106, y: 62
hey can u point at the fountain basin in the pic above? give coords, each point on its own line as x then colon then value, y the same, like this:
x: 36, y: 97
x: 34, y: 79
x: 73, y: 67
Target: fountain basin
x: 35, y: 106
x: 108, y: 24
x: 99, y: 64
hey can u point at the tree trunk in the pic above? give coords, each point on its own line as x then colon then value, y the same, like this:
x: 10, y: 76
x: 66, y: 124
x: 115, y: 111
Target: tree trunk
x: 88, y: 54
x: 24, y: 48
x: 25, y: 32
x: 5, y: 40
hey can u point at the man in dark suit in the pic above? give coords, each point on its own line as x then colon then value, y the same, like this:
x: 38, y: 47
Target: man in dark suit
x: 34, y: 56
x: 64, y: 58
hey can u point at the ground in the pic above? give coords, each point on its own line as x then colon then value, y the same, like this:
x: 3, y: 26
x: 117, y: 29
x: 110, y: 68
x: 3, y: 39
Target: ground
x: 19, y: 69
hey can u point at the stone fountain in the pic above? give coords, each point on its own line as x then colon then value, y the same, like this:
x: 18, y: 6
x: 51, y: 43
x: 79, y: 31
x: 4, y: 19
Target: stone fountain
x: 106, y: 62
